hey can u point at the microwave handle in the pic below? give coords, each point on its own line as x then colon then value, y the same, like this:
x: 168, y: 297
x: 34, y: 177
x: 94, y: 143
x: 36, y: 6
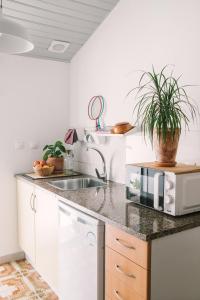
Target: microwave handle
x: 156, y: 190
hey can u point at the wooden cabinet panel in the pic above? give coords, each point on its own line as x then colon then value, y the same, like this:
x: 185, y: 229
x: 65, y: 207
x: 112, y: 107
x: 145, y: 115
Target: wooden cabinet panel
x: 26, y: 218
x: 120, y: 291
x: 128, y: 245
x: 124, y: 271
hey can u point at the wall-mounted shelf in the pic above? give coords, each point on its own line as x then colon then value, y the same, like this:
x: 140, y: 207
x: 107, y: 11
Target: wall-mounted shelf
x: 100, y: 137
x: 108, y: 134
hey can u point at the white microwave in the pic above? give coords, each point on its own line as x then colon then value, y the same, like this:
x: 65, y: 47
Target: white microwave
x: 175, y: 191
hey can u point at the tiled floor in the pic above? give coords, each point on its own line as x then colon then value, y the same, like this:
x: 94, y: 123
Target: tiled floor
x: 18, y: 280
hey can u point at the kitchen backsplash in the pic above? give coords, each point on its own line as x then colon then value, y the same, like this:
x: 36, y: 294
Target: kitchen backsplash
x: 114, y: 151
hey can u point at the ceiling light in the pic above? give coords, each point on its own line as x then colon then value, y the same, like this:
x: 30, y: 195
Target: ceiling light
x: 58, y: 46
x: 13, y: 37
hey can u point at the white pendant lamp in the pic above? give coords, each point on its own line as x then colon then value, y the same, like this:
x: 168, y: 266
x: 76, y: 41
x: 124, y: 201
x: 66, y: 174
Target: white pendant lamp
x: 13, y: 37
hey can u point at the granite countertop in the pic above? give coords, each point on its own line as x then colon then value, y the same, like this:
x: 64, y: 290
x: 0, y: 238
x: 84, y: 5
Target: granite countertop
x: 109, y: 204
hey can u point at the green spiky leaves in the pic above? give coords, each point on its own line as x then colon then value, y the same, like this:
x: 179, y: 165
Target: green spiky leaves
x: 162, y: 104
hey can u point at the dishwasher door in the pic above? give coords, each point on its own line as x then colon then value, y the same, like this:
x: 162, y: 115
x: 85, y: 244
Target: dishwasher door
x: 81, y: 255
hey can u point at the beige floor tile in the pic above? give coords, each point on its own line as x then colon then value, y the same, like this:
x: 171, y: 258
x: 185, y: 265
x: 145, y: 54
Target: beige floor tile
x: 6, y: 270
x: 24, y: 265
x: 19, y: 281
x: 37, y: 281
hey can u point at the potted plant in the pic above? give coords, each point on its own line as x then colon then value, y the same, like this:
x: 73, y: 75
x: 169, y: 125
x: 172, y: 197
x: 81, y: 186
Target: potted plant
x: 54, y: 155
x: 162, y: 108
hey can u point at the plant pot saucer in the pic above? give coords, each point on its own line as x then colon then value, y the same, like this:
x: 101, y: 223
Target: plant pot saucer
x: 164, y: 164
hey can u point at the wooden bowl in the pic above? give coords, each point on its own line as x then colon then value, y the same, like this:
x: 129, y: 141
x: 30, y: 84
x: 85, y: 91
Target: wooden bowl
x: 44, y: 171
x: 121, y: 128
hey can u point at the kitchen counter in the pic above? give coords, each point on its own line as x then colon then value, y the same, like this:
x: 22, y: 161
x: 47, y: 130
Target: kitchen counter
x: 109, y: 204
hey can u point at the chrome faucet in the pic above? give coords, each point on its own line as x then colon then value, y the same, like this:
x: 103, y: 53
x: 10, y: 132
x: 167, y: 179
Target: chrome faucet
x: 104, y: 175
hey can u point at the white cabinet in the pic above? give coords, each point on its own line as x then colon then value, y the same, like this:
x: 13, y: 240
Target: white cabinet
x: 26, y: 218
x: 46, y: 224
x: 38, y: 229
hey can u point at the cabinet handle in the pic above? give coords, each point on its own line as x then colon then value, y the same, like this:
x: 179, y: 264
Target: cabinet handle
x: 124, y: 273
x: 34, y: 209
x: 117, y: 295
x: 123, y: 244
x: 31, y: 198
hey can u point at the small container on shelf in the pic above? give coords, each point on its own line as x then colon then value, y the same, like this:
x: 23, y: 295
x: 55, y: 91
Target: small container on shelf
x: 69, y: 160
x: 121, y: 128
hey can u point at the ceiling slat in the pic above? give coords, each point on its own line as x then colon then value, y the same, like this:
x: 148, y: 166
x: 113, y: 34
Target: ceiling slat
x: 48, y: 14
x: 67, y: 4
x: 48, y: 22
x: 110, y: 1
x: 47, y: 38
x: 41, y: 45
x: 45, y: 52
x: 52, y: 36
x: 55, y: 10
x: 70, y: 35
x: 108, y: 5
x: 45, y: 43
x: 34, y: 55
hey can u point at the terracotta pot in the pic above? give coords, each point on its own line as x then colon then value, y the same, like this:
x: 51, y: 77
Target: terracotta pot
x: 57, y: 162
x: 166, y: 151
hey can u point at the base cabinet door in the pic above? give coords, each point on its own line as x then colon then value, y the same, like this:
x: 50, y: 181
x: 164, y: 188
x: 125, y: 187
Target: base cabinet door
x: 46, y: 227
x: 26, y: 218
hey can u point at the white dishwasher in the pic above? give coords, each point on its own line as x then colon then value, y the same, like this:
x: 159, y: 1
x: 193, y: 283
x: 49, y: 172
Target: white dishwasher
x: 81, y: 255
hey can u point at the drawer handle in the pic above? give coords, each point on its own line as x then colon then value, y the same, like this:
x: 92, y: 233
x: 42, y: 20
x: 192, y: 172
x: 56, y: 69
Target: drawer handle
x: 123, y: 244
x: 124, y: 273
x: 117, y: 295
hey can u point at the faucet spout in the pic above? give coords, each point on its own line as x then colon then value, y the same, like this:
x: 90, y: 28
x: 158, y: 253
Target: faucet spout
x: 102, y: 176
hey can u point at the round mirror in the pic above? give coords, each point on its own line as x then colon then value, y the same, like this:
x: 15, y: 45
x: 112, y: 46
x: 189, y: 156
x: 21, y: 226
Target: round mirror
x: 95, y: 108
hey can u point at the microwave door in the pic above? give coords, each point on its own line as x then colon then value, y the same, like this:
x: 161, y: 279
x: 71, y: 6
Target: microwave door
x: 156, y: 199
x: 147, y: 187
x: 152, y: 188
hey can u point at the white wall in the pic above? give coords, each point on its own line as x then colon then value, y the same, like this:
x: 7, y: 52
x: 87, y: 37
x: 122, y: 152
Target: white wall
x: 33, y: 106
x: 137, y: 34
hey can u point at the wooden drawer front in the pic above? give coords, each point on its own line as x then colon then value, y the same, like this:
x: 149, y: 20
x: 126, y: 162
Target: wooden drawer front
x: 128, y: 245
x: 122, y: 269
x: 120, y: 291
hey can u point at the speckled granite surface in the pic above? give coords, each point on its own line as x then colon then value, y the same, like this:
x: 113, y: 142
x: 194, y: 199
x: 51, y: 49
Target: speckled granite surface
x: 109, y: 204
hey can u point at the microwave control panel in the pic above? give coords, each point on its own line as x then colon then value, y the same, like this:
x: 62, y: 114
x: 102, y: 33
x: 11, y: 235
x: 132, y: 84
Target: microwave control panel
x: 169, y: 192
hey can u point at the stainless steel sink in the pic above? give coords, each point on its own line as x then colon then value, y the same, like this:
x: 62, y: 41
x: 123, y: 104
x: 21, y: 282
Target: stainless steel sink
x: 76, y: 183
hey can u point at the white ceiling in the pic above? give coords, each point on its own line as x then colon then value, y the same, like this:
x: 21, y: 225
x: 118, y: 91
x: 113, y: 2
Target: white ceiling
x: 72, y: 21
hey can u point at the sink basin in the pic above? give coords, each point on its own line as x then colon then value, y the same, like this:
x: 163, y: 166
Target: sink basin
x: 76, y: 183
